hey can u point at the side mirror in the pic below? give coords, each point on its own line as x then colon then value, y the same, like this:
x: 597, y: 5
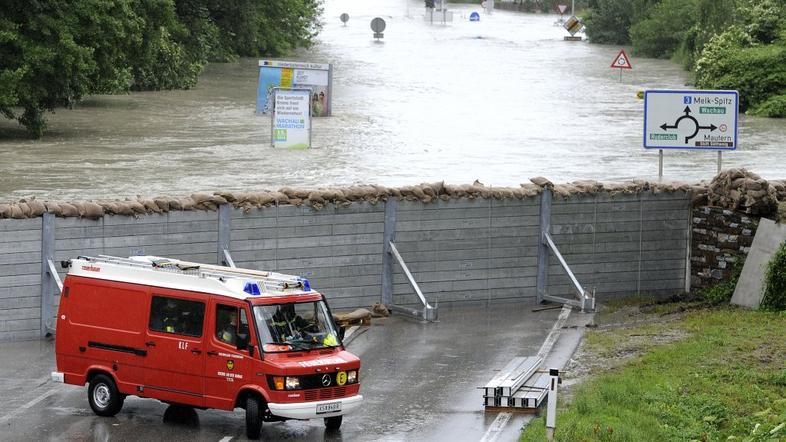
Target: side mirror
x: 341, y: 331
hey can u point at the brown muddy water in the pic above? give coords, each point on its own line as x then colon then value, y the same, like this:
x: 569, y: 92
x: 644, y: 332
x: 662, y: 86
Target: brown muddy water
x: 500, y: 100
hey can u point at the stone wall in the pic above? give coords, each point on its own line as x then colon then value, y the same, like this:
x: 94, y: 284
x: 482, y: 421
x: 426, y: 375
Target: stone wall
x: 720, y: 237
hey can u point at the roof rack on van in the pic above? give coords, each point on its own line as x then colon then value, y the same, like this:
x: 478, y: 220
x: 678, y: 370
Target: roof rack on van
x: 270, y: 282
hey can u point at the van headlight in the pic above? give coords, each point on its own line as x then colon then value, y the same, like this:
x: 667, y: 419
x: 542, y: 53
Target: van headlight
x: 292, y: 383
x: 352, y: 376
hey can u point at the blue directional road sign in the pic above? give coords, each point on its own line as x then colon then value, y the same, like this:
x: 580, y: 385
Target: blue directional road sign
x: 691, y: 119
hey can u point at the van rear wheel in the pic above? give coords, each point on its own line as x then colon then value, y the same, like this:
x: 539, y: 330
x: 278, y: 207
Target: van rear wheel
x: 103, y: 396
x: 333, y: 423
x: 253, y: 417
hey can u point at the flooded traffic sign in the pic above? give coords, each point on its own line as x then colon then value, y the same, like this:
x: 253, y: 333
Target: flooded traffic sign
x: 344, y: 18
x: 621, y: 62
x: 378, y: 25
x: 690, y: 119
x: 573, y: 25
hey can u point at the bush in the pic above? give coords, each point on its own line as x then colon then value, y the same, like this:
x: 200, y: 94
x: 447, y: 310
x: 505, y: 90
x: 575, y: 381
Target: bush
x: 774, y: 107
x: 732, y: 61
x: 664, y: 30
x: 775, y: 282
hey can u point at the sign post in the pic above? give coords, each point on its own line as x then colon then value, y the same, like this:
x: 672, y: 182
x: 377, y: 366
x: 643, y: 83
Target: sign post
x: 291, y: 122
x: 692, y: 120
x: 573, y: 25
x: 621, y: 61
x: 378, y: 25
x: 296, y: 75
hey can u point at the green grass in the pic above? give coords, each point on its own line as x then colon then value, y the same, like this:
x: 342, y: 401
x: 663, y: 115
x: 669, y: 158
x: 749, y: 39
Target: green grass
x: 721, y: 381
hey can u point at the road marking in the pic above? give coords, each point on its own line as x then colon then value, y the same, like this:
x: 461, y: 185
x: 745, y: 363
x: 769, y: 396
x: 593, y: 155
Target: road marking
x: 554, y: 333
x: 496, y: 427
x: 226, y: 439
x: 30, y: 404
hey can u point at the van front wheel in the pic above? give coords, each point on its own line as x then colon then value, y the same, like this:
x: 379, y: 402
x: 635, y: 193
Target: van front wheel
x: 103, y: 396
x: 253, y: 418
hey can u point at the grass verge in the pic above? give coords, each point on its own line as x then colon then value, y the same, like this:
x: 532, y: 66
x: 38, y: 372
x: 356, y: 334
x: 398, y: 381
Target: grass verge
x: 724, y: 379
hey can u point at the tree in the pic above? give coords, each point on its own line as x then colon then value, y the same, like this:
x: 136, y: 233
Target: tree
x: 663, y: 31
x: 608, y: 21
x: 54, y: 52
x: 42, y: 65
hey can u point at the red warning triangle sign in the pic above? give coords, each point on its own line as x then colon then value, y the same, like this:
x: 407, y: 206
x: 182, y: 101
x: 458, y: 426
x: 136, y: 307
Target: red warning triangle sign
x: 621, y: 61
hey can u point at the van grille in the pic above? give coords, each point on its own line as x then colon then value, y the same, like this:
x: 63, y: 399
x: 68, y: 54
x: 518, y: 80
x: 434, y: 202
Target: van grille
x: 325, y: 393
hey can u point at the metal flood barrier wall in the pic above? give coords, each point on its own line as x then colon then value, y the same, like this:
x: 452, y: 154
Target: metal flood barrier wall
x: 457, y: 250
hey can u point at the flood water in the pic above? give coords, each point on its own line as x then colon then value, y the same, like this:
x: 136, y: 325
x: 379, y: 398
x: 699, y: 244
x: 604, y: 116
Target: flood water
x: 500, y: 100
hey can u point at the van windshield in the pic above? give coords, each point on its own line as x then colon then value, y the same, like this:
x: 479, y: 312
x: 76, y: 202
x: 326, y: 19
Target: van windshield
x: 295, y: 326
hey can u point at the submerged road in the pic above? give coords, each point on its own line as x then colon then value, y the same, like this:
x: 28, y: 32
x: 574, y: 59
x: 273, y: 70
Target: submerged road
x: 419, y: 381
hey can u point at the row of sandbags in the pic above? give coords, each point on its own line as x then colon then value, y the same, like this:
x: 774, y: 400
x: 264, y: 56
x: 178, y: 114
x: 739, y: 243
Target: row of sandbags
x: 318, y: 198
x: 744, y: 191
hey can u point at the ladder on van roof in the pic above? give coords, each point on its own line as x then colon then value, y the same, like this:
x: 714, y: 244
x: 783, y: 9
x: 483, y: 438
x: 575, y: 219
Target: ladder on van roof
x: 271, y: 281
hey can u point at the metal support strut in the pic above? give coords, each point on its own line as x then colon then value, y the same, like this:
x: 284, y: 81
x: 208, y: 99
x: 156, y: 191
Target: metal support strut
x: 586, y: 299
x: 427, y: 312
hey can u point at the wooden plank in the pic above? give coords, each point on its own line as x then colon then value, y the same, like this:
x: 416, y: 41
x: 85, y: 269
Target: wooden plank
x: 18, y: 325
x: 17, y: 314
x: 21, y: 291
x: 20, y: 247
x: 14, y: 225
x: 19, y: 236
x: 21, y: 258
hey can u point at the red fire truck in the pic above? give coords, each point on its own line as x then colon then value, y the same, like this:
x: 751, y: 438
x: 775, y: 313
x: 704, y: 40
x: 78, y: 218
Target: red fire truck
x: 203, y: 336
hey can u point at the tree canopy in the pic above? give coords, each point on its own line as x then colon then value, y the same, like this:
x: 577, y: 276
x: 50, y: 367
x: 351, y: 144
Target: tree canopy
x: 54, y: 52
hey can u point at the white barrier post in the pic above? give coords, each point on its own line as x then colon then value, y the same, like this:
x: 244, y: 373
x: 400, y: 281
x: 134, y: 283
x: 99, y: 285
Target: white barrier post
x: 551, y: 409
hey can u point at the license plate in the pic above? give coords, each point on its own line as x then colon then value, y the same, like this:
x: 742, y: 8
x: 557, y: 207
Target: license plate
x: 331, y: 407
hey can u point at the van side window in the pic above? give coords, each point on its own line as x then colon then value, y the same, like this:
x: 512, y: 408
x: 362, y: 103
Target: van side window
x: 178, y: 316
x: 227, y: 325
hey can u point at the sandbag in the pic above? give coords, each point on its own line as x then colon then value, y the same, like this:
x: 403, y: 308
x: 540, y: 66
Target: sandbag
x: 542, y: 182
x: 68, y: 210
x: 93, y: 211
x: 37, y: 208
x: 16, y: 212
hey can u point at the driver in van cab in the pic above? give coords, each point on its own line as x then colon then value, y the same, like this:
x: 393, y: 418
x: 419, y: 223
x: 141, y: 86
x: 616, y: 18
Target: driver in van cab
x: 228, y: 334
x: 288, y: 323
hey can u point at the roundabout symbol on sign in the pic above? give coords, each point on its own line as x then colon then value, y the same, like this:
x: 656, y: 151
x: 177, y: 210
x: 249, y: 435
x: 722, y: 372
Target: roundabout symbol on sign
x: 688, y: 116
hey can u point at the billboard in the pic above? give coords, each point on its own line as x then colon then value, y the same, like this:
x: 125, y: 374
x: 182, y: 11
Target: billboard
x: 291, y: 118
x: 316, y: 77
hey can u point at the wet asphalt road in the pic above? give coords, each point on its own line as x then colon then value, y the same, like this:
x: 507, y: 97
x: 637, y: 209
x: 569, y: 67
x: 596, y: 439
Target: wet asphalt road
x: 419, y: 381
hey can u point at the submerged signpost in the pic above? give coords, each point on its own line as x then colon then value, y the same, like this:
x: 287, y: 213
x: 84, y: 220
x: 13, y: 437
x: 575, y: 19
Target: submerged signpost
x: 621, y: 61
x: 692, y: 120
x: 318, y: 77
x: 291, y: 122
x: 378, y: 25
